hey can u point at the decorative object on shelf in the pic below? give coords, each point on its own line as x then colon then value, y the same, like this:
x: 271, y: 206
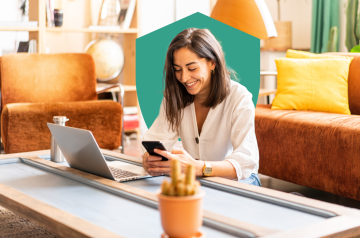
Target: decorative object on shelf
x: 180, y: 203
x: 58, y: 17
x: 284, y: 38
x: 109, y: 58
x: 352, y: 26
x: 106, y: 50
x: 252, y: 17
x: 126, y: 13
x: 50, y: 13
x: 24, y: 8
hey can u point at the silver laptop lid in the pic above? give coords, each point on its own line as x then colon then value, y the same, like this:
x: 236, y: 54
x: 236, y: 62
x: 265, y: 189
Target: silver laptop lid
x: 80, y: 150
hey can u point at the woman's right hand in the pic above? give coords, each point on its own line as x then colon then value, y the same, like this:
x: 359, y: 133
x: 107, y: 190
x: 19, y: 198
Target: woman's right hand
x: 146, y: 159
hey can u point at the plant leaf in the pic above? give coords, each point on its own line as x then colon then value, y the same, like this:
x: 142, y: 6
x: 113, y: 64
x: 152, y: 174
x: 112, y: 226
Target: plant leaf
x: 355, y: 49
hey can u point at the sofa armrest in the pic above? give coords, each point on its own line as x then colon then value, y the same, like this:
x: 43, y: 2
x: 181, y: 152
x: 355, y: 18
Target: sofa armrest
x: 314, y: 149
x: 23, y: 125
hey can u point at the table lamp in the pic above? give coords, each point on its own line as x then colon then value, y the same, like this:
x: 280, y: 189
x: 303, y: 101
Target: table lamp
x: 250, y: 16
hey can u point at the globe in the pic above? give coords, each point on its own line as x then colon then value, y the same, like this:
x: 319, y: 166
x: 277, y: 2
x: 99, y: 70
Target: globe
x: 109, y: 58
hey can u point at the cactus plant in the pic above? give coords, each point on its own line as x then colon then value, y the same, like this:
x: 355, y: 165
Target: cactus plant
x: 352, y: 24
x: 333, y: 40
x: 181, y: 185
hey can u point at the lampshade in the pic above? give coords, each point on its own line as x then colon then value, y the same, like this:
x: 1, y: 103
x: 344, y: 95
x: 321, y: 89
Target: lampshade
x: 250, y: 16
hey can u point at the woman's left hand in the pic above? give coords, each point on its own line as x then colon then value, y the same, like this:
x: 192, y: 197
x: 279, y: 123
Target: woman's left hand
x: 181, y: 155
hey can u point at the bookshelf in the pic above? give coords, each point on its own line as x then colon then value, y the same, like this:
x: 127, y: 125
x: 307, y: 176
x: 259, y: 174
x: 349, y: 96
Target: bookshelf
x: 40, y: 33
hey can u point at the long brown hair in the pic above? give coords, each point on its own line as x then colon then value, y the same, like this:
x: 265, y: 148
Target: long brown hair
x: 204, y: 45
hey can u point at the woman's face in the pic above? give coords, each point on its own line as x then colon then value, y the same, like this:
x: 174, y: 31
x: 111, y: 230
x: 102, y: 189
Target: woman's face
x: 193, y: 72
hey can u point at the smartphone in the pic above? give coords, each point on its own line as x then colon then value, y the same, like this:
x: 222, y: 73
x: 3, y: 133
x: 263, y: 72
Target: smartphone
x: 151, y: 145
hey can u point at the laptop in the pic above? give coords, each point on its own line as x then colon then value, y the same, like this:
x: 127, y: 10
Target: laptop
x: 82, y: 152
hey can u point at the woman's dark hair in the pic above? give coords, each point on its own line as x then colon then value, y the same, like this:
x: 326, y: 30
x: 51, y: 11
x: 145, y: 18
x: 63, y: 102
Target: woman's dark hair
x: 204, y: 45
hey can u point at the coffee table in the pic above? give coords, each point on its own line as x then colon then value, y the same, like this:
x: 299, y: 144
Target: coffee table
x: 73, y: 203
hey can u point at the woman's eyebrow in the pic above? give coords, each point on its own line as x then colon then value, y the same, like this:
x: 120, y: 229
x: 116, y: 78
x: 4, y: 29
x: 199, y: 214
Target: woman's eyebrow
x: 186, y: 64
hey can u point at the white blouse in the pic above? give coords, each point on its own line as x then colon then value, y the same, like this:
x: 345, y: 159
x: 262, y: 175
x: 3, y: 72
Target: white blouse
x: 228, y: 132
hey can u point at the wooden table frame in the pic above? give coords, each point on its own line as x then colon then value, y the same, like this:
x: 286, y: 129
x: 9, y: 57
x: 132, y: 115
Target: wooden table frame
x: 345, y: 224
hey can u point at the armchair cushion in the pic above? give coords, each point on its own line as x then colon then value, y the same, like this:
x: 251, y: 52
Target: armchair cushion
x: 23, y: 125
x: 314, y: 149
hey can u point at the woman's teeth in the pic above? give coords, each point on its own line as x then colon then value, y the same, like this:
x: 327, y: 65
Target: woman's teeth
x: 191, y: 84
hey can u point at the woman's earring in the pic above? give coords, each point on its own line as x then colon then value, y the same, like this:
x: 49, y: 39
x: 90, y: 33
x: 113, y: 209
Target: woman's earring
x: 213, y: 71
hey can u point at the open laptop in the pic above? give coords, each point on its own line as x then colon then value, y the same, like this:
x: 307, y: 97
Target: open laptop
x: 82, y: 152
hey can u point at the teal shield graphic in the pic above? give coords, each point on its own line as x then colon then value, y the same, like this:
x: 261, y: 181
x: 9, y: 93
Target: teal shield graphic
x: 242, y: 54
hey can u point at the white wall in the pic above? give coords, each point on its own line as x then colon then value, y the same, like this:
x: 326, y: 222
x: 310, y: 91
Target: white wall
x: 9, y: 12
x: 156, y: 14
x: 299, y: 12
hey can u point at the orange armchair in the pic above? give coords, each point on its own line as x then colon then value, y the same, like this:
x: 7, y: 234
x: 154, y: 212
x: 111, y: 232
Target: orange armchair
x: 36, y: 87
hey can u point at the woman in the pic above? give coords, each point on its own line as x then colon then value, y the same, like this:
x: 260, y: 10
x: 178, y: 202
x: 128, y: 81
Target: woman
x: 213, y: 115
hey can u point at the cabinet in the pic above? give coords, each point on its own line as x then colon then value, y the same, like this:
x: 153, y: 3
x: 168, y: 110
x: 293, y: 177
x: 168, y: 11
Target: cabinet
x: 41, y: 33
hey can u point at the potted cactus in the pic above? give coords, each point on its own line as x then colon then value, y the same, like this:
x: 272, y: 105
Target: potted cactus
x: 180, y: 203
x: 352, y: 26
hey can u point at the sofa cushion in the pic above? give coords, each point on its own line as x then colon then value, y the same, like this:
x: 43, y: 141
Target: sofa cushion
x: 298, y: 54
x: 23, y: 125
x: 353, y: 77
x: 312, y: 84
x: 314, y: 149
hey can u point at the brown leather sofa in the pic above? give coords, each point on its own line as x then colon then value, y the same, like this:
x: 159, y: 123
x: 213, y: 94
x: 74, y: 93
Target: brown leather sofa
x: 37, y: 87
x: 314, y: 149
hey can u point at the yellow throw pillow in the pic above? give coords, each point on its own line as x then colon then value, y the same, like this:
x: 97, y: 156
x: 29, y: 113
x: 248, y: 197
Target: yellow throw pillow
x: 298, y: 54
x: 313, y: 84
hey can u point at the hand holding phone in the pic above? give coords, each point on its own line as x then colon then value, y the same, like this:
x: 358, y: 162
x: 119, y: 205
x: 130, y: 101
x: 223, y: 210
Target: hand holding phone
x: 151, y: 145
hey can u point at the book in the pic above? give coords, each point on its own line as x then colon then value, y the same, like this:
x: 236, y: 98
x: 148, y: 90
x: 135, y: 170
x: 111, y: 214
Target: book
x: 28, y: 46
x: 51, y: 5
x: 131, y: 122
x: 48, y: 13
x: 130, y: 110
x: 23, y: 46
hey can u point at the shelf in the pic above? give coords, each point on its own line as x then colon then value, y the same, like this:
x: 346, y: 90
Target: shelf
x: 266, y: 92
x: 87, y: 30
x: 5, y: 28
x: 268, y: 73
x: 282, y: 49
x: 136, y: 130
x: 127, y: 88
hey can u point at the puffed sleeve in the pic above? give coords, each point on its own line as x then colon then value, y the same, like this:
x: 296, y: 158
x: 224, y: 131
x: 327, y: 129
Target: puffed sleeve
x: 160, y: 131
x: 245, y: 154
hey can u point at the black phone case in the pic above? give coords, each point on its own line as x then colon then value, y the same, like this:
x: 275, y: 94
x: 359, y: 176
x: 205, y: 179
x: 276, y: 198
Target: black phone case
x: 151, y: 145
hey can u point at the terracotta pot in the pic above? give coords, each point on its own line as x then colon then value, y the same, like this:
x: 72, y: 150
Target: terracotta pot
x: 181, y: 216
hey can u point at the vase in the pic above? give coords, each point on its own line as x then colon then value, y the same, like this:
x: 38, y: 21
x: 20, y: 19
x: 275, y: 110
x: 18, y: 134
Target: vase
x: 181, y: 216
x: 284, y: 38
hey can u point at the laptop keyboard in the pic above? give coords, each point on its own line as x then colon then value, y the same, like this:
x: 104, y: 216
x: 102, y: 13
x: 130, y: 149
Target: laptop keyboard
x: 119, y: 173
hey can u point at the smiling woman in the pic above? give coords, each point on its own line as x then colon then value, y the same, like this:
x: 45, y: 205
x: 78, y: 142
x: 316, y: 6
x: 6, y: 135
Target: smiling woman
x: 213, y: 115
